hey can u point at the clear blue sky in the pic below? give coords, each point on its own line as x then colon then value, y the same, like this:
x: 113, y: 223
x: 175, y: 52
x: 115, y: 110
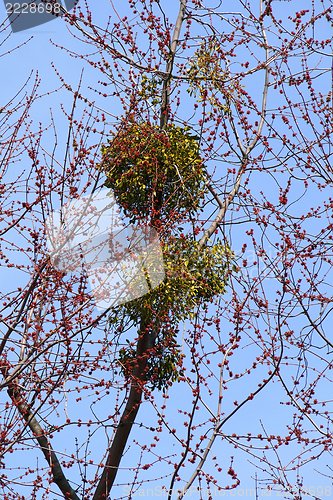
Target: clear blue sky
x: 37, y: 53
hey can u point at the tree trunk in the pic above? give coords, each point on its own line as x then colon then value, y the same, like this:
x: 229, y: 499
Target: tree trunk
x: 115, y: 453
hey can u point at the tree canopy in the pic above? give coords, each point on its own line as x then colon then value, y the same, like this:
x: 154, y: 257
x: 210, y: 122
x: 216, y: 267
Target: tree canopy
x: 213, y: 130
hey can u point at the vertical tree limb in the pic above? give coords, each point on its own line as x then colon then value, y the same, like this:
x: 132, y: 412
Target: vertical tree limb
x: 166, y: 84
x: 145, y: 343
x: 147, y: 337
x: 58, y: 475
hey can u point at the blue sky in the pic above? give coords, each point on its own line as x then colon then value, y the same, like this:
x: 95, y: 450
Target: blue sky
x: 37, y: 54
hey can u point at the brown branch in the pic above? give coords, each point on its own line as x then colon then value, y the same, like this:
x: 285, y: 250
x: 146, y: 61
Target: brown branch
x: 147, y: 337
x: 12, y: 327
x: 223, y: 206
x: 112, y: 50
x: 39, y: 434
x: 145, y: 344
x: 166, y: 83
x: 245, y: 153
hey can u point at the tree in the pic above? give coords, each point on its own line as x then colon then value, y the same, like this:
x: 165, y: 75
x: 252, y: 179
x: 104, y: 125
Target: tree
x: 223, y: 148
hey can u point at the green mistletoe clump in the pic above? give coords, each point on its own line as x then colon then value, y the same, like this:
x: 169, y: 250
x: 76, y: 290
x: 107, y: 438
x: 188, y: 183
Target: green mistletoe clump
x: 158, y: 177
x: 153, y: 172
